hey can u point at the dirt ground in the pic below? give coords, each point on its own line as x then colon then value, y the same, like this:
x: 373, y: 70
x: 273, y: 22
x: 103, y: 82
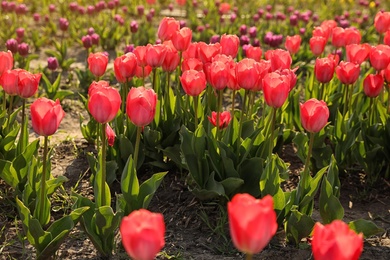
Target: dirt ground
x: 194, y: 229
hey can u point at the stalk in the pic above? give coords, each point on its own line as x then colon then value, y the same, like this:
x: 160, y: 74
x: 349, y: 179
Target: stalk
x: 306, y: 170
x: 42, y: 194
x: 11, y: 99
x: 124, y: 94
x: 103, y: 160
x: 272, y: 128
x: 21, y: 140
x: 233, y: 101
x: 350, y: 97
x: 196, y: 112
x: 248, y: 257
x: 219, y: 113
x: 137, y: 141
x: 346, y: 100
x: 242, y: 118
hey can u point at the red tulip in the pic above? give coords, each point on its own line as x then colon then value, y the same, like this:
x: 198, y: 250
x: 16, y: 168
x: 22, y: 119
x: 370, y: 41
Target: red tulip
x: 172, y: 58
x: 193, y: 82
x: 293, y: 43
x: 357, y: 53
x: 141, y: 106
x: 317, y: 45
x: 104, y: 102
x: 168, y: 26
x: 247, y: 73
x: 380, y: 56
x: 386, y: 38
x: 291, y: 76
x: 9, y: 81
x: 229, y: 45
x: 140, y: 53
x: 386, y: 74
x: 208, y: 51
x: 373, y: 85
x: 314, y: 115
x: 219, y: 75
x: 142, y: 234
x: 192, y: 51
x: 280, y: 59
x: 322, y: 31
x: 336, y: 241
x: 276, y: 88
x: 347, y: 72
x: 382, y: 22
x: 352, y: 36
x: 254, y: 53
x: 143, y: 72
x: 46, y: 116
x: 224, y: 119
x: 324, y: 69
x: 6, y: 61
x: 125, y: 67
x: 182, y: 39
x: 338, y: 37
x: 110, y: 135
x: 97, y: 63
x: 155, y: 55
x: 252, y: 222
x: 191, y: 64
x: 28, y: 83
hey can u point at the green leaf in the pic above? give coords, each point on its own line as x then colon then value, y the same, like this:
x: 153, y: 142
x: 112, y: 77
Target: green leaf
x: 53, y: 184
x: 330, y: 206
x: 368, y: 228
x: 231, y: 185
x: 129, y: 186
x: 148, y: 188
x: 298, y: 226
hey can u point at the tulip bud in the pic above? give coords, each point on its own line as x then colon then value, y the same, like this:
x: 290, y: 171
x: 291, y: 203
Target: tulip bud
x: 314, y: 115
x: 141, y: 106
x: 46, y: 116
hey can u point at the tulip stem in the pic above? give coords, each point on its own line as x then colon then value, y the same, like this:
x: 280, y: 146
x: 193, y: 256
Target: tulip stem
x: 242, y: 118
x: 137, y: 141
x: 4, y: 101
x: 42, y: 199
x: 21, y: 140
x: 307, y: 162
x: 11, y: 100
x: 233, y: 101
x: 196, y: 112
x: 103, y: 165
x: 272, y: 129
x: 124, y: 94
x: 346, y: 100
x: 350, y: 97
x: 248, y: 257
x: 219, y: 114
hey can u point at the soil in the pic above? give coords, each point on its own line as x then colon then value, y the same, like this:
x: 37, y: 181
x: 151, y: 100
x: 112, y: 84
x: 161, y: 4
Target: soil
x: 194, y: 229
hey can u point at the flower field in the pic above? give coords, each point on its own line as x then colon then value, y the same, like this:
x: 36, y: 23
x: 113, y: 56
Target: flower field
x: 195, y: 129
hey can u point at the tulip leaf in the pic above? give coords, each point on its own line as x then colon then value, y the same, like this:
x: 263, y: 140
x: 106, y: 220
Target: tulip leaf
x: 129, y: 186
x: 330, y: 206
x: 8, y: 173
x: 368, y: 228
x: 231, y: 185
x: 298, y: 226
x: 148, y: 188
x: 53, y: 184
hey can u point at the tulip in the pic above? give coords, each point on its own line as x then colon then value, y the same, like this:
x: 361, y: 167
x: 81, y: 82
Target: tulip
x: 193, y: 82
x: 382, y: 22
x: 141, y: 106
x: 52, y: 63
x: 23, y: 49
x: 336, y: 241
x: 172, y: 58
x: 321, y: 31
x: 314, y: 115
x: 224, y: 119
x: 110, y: 135
x: 46, y: 116
x: 276, y: 88
x: 140, y: 52
x: 208, y: 51
x: 97, y: 63
x: 386, y: 38
x: 373, y: 85
x: 155, y: 55
x: 380, y: 56
x: 27, y: 83
x: 125, y: 67
x: 142, y: 234
x: 347, y: 72
x: 181, y: 39
x: 252, y: 222
x: 352, y: 36
x: 104, y: 102
x: 254, y: 53
x: 192, y: 64
x: 12, y: 45
x: 87, y: 41
x: 338, y: 37
x: 219, y: 75
x: 293, y: 43
x: 63, y: 24
x: 9, y: 81
x: 357, y: 53
x: 230, y: 45
x: 247, y: 73
x: 324, y: 69
x: 168, y: 26
x: 280, y: 59
x: 317, y: 45
x: 192, y: 51
x: 6, y: 61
